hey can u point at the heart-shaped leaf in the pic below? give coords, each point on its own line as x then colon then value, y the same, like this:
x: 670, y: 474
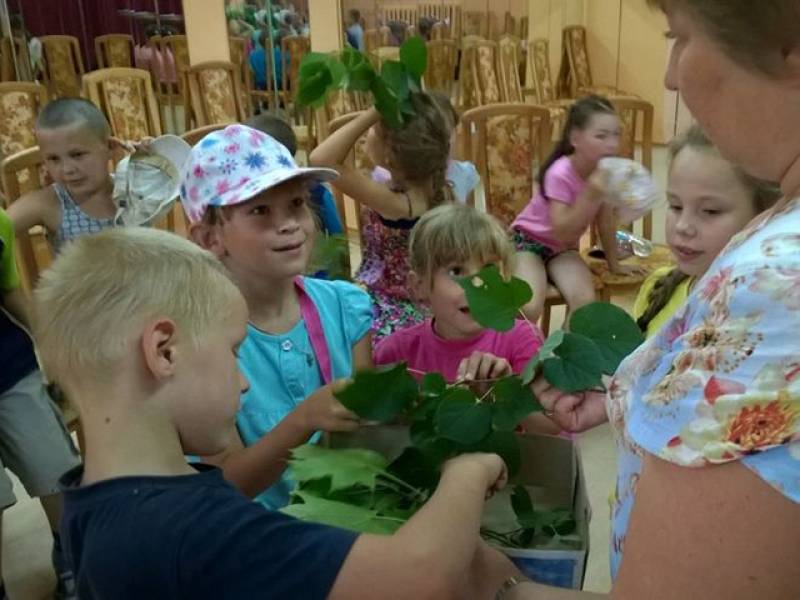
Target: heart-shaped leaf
x: 461, y: 419
x: 387, y: 104
x: 495, y: 302
x: 611, y: 328
x: 523, y: 507
x: 380, y: 395
x: 513, y: 401
x: 546, y: 351
x: 345, y: 467
x: 315, y: 80
x: 395, y: 77
x: 414, y: 56
x: 578, y: 364
x: 433, y: 384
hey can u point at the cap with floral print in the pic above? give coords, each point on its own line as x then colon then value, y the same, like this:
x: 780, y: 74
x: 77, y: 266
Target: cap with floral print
x: 232, y: 165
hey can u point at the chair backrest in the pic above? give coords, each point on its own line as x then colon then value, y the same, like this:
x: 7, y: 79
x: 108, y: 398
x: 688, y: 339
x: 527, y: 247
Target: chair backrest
x: 539, y: 61
x: 441, y: 31
x: 372, y: 40
x: 63, y: 65
x: 214, y: 93
x: 406, y: 13
x: 293, y: 49
x: 338, y: 103
x: 179, y: 47
x: 476, y: 22
x: 636, y: 121
x: 126, y: 98
x: 114, y: 50
x: 440, y: 72
x: 193, y: 136
x: 20, y: 103
x: 510, y: 24
x: 384, y: 53
x: 508, y: 56
x: 577, y: 54
x: 504, y: 141
x: 523, y: 28
x: 24, y: 172
x: 8, y: 70
x: 483, y: 55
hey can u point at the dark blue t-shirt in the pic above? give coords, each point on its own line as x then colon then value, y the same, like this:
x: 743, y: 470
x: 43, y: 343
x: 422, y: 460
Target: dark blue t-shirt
x: 191, y: 536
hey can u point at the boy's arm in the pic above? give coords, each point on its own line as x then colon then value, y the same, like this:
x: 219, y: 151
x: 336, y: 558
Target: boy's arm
x: 16, y: 303
x: 432, y: 554
x: 254, y: 468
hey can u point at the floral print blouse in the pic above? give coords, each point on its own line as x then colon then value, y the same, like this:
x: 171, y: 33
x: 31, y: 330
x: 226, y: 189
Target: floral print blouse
x: 721, y: 381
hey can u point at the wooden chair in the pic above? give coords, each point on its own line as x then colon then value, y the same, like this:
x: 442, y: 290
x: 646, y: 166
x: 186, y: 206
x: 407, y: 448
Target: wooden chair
x: 372, y: 40
x: 177, y: 94
x: 214, y: 93
x: 238, y: 51
x: 440, y: 72
x: 20, y: 103
x: 63, y: 65
x: 193, y: 136
x: 441, y: 31
x: 575, y: 77
x: 126, y: 98
x: 543, y: 92
x: 114, y: 50
x: 22, y: 70
x: 337, y: 104
x: 448, y: 14
x: 384, y: 53
x: 406, y: 13
x: 478, y: 77
x: 509, y: 24
x: 508, y: 59
x: 523, y: 28
x: 476, y: 22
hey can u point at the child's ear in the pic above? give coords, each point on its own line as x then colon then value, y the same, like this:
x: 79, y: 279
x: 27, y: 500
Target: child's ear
x: 158, y: 347
x: 208, y: 237
x: 417, y: 285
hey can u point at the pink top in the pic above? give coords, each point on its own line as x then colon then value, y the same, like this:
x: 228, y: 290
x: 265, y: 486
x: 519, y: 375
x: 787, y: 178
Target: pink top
x: 423, y: 350
x: 562, y: 184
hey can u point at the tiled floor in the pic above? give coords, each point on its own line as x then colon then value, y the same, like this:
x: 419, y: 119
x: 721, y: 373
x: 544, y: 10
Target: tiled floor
x: 26, y: 538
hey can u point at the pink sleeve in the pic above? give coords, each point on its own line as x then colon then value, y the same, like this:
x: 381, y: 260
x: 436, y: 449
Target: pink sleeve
x: 525, y: 341
x: 559, y: 184
x: 387, y: 351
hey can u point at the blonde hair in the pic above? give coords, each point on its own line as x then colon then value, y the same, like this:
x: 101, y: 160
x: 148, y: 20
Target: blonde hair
x: 456, y: 233
x: 100, y: 291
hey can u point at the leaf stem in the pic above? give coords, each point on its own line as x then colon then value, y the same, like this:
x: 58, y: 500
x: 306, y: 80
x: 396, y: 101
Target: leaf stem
x: 415, y: 492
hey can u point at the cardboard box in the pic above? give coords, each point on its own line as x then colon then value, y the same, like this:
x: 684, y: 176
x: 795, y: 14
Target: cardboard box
x: 553, y: 475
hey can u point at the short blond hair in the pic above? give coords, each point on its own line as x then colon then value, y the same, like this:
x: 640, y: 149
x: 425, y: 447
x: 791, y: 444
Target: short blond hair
x: 456, y: 233
x: 103, y: 288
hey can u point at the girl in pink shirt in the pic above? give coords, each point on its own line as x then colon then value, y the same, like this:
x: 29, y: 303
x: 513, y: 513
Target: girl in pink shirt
x: 449, y: 242
x: 569, y: 200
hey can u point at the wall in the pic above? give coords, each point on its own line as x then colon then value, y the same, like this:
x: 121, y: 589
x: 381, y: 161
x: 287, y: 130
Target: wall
x: 206, y: 30
x: 328, y: 37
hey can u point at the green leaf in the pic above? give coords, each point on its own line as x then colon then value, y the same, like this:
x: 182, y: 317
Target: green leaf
x: 339, y: 514
x: 416, y: 468
x: 506, y: 445
x: 395, y: 77
x: 611, y: 328
x: 578, y: 364
x: 461, y: 418
x: 493, y: 301
x: 523, y: 507
x: 414, y: 56
x: 315, y: 80
x: 513, y: 401
x: 424, y: 438
x: 380, y: 395
x: 330, y: 255
x: 360, y: 72
x: 387, y: 104
x: 345, y: 467
x: 433, y: 384
x: 546, y: 351
x: 559, y: 521
x: 339, y: 74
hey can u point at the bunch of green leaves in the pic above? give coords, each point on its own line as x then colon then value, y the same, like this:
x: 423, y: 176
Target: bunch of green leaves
x: 331, y: 256
x: 351, y: 70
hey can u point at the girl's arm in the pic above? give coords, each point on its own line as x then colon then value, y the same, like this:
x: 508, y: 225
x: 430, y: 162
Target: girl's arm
x: 362, y: 354
x: 333, y: 151
x: 607, y: 228
x: 569, y: 220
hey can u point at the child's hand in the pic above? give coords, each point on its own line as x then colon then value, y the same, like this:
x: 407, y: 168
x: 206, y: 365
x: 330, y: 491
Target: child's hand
x: 573, y: 412
x: 322, y: 412
x: 490, y: 465
x: 482, y: 365
x: 598, y: 182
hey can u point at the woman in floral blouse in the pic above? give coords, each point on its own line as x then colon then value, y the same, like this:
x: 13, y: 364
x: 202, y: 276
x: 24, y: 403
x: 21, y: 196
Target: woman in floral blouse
x: 707, y: 411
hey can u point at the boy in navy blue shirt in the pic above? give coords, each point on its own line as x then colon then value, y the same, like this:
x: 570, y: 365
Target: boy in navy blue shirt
x: 141, y: 328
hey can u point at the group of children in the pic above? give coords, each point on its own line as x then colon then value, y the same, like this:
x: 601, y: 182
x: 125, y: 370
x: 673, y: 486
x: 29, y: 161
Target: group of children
x: 221, y: 347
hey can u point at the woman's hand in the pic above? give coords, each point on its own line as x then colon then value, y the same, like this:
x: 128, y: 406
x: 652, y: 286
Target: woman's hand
x: 573, y: 412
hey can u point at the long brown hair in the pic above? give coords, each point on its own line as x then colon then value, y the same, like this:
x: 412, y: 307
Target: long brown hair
x: 421, y: 148
x: 762, y: 193
x: 579, y: 117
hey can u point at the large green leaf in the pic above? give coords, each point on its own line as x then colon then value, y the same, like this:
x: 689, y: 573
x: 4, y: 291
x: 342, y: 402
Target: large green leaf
x: 493, y: 301
x: 513, y: 401
x: 315, y: 80
x: 387, y: 104
x: 426, y: 440
x: 340, y: 514
x: 395, y: 77
x: 414, y: 56
x: 546, y: 351
x: 380, y: 395
x: 578, y: 364
x: 360, y: 72
x: 416, y: 468
x: 346, y: 467
x: 523, y: 506
x: 461, y: 418
x: 504, y: 444
x: 611, y: 328
x: 433, y: 384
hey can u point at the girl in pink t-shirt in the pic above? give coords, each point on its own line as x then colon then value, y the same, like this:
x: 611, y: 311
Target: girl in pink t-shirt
x: 449, y: 242
x: 569, y: 200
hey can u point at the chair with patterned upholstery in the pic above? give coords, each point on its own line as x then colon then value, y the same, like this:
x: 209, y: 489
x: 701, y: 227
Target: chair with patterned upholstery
x: 126, y: 98
x: 177, y: 94
x: 63, y: 65
x: 542, y: 92
x: 575, y: 75
x: 440, y: 72
x: 20, y: 103
x: 114, y: 50
x: 509, y: 49
x: 480, y: 60
x: 214, y: 93
x: 475, y: 22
